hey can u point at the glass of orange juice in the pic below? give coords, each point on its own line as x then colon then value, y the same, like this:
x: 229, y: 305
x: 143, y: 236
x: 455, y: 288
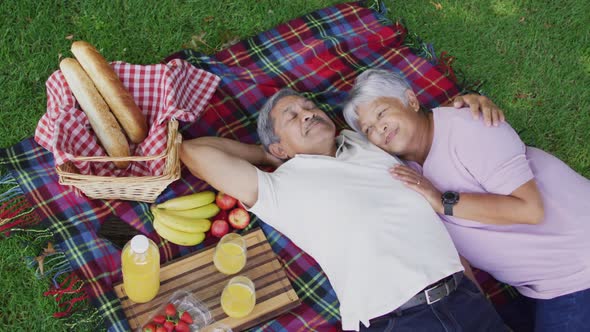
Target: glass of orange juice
x: 238, y: 297
x: 230, y: 254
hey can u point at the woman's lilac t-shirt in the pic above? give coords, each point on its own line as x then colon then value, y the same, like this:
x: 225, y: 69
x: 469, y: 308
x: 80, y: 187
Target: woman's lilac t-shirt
x: 542, y: 261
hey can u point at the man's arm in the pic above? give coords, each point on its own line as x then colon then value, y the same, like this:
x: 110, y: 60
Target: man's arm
x: 492, y: 114
x: 227, y: 165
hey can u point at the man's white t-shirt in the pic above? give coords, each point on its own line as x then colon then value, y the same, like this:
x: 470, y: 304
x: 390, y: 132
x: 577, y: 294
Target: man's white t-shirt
x: 378, y: 242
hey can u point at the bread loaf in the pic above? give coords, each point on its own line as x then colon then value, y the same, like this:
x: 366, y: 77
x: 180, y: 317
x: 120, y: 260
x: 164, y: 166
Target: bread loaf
x: 112, y: 90
x: 103, y: 122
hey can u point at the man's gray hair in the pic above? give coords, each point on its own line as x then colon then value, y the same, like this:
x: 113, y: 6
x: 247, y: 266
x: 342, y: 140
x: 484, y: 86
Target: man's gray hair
x: 370, y: 85
x: 266, y: 128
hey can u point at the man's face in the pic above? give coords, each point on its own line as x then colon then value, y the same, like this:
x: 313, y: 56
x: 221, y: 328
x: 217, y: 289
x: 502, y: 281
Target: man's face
x: 301, y: 127
x: 389, y: 124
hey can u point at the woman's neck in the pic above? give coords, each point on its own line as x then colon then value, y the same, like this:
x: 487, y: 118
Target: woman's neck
x: 423, y: 139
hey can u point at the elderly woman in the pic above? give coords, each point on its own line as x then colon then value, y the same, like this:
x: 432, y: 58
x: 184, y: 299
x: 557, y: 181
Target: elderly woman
x: 514, y: 211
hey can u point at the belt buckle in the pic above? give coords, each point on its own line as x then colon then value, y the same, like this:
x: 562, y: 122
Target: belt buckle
x: 427, y: 293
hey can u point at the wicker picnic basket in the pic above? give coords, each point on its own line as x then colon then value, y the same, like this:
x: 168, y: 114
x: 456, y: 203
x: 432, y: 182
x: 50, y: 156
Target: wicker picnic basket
x: 132, y: 188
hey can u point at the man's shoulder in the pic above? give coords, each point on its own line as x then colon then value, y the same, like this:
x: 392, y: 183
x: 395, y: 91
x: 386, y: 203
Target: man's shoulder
x: 353, y: 138
x: 349, y: 134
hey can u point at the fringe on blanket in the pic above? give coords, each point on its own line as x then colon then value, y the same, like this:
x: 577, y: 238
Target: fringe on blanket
x: 15, y: 209
x: 66, y: 288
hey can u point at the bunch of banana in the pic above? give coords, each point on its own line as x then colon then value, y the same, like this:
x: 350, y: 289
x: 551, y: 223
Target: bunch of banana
x: 184, y: 220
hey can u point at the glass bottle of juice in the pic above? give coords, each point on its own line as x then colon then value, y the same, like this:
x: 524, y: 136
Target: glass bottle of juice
x: 140, y: 262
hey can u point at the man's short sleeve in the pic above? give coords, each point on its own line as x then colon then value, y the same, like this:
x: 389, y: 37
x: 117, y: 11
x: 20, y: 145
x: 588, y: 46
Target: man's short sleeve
x: 266, y: 203
x: 494, y: 156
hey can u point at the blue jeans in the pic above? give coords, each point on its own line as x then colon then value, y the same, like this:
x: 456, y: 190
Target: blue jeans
x: 464, y: 310
x: 567, y: 313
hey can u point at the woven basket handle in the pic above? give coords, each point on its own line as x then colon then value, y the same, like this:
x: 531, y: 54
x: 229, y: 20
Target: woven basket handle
x: 99, y: 158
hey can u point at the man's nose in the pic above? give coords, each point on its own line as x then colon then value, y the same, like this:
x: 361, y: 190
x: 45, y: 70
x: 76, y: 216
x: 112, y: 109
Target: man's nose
x: 306, y: 115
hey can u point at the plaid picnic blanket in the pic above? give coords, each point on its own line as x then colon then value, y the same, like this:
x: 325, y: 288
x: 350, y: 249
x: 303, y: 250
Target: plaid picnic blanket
x: 319, y: 54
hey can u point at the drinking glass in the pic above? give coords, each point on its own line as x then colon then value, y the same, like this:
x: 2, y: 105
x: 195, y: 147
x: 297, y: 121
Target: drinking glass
x: 230, y: 254
x: 238, y: 297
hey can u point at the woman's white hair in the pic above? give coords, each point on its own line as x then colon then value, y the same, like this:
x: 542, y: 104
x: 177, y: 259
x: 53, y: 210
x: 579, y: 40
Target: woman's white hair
x: 370, y: 85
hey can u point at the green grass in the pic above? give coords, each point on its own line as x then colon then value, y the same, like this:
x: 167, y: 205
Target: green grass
x: 22, y: 305
x: 533, y: 55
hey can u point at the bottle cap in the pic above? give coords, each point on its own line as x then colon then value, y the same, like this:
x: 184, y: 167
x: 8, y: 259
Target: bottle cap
x: 140, y: 244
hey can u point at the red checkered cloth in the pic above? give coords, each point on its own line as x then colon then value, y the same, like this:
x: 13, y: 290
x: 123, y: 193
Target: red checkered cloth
x: 162, y: 91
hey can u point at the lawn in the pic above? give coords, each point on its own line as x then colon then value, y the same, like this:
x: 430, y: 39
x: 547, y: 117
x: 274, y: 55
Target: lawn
x: 533, y: 56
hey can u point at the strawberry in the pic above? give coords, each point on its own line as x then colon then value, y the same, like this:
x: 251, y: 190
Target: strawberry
x: 169, y: 326
x: 170, y: 310
x: 159, y: 319
x: 182, y: 327
x: 186, y: 317
x: 151, y: 327
x: 161, y: 329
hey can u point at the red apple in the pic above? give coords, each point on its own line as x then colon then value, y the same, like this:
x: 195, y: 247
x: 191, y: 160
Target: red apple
x: 219, y: 228
x: 222, y: 215
x: 241, y: 205
x: 225, y: 201
x: 239, y: 218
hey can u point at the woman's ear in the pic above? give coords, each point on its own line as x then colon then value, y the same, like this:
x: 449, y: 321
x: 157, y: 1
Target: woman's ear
x: 412, y: 100
x: 277, y: 150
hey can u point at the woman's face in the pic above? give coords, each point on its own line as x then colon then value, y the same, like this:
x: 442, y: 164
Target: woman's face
x: 390, y: 124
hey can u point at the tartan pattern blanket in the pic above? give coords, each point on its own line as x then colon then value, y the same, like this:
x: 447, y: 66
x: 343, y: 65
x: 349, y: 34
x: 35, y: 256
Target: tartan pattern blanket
x: 319, y: 54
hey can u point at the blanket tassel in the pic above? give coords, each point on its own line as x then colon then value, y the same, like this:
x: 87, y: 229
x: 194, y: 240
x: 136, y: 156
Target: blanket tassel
x: 67, y: 288
x: 15, y: 209
x: 74, y: 287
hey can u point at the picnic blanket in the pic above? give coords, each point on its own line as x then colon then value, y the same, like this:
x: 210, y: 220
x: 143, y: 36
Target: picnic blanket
x: 319, y: 54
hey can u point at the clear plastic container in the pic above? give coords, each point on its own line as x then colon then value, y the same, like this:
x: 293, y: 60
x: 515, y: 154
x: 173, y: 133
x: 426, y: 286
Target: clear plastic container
x: 185, y: 301
x: 140, y: 263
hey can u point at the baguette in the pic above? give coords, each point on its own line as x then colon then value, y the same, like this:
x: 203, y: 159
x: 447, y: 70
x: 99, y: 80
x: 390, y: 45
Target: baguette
x: 112, y: 90
x: 101, y: 119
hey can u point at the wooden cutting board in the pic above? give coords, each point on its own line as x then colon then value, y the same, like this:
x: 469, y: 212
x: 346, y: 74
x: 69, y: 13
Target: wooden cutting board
x: 196, y: 273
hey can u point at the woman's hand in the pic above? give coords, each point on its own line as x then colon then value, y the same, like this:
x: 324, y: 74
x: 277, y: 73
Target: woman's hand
x: 418, y: 183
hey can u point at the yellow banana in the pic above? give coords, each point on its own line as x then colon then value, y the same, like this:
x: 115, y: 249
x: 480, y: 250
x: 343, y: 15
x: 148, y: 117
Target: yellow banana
x: 178, y: 237
x: 188, y: 202
x: 203, y: 212
x: 180, y: 223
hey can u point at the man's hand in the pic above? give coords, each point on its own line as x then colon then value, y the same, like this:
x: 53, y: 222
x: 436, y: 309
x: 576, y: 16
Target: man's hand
x: 492, y: 115
x: 271, y: 160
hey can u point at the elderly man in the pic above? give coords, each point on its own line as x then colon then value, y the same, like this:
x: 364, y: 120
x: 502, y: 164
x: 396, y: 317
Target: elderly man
x: 383, y: 248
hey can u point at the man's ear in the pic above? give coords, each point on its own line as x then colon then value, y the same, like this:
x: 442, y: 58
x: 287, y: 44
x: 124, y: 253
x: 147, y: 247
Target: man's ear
x: 277, y: 150
x: 412, y: 100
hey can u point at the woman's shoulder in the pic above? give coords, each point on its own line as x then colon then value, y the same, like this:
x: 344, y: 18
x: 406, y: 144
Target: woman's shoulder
x: 461, y: 121
x: 461, y: 116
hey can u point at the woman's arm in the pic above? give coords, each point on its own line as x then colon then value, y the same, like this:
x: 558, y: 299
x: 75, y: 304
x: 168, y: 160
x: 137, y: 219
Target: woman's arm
x: 523, y: 206
x: 469, y: 272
